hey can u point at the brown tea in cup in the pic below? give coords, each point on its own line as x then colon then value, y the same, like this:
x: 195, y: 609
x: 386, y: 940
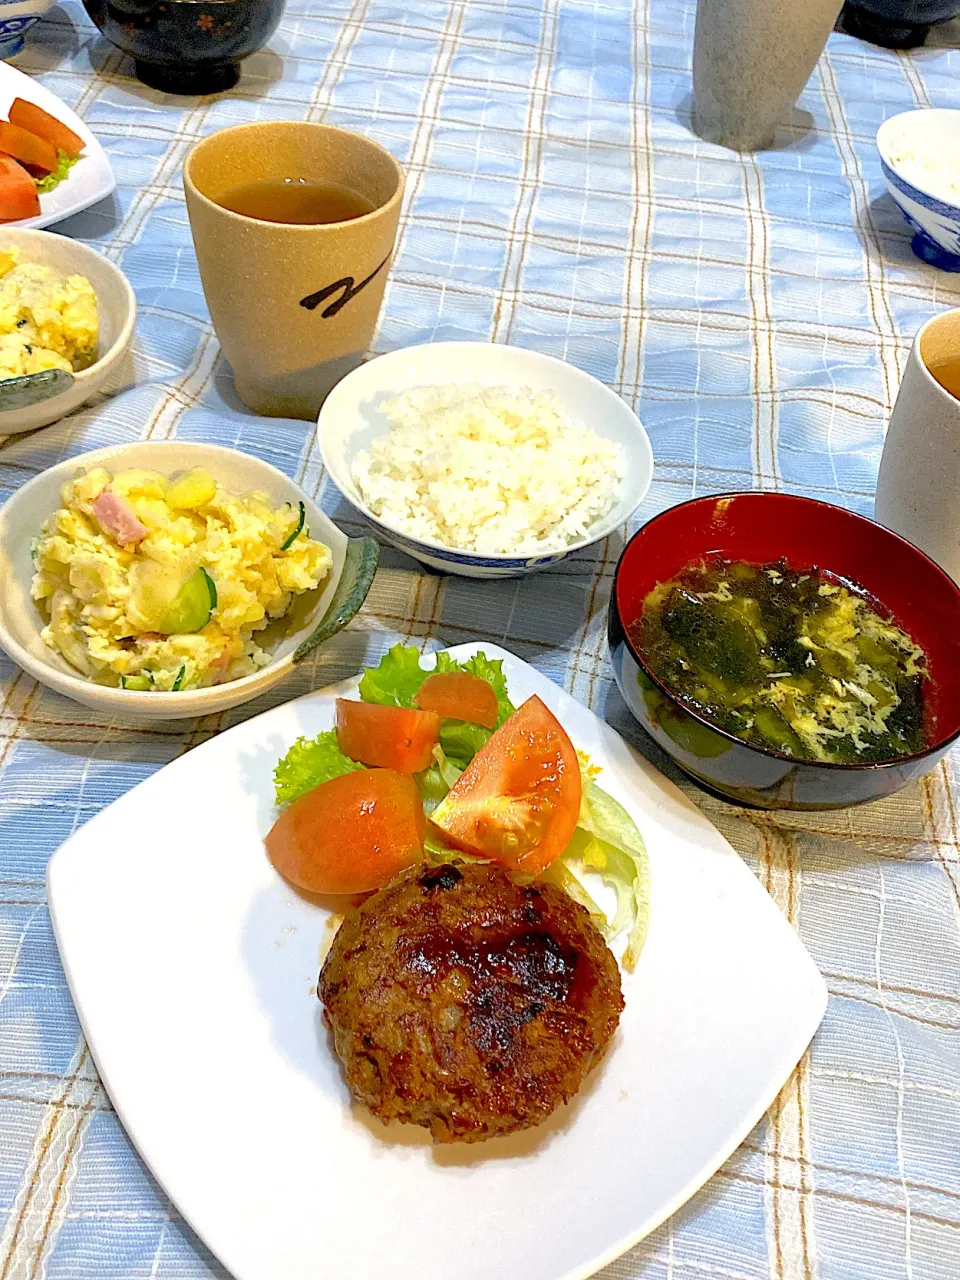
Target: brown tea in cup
x: 940, y: 352
x: 947, y: 373
x: 296, y: 200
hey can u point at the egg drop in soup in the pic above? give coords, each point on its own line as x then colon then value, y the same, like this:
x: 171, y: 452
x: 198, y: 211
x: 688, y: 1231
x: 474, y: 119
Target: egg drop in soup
x: 796, y: 661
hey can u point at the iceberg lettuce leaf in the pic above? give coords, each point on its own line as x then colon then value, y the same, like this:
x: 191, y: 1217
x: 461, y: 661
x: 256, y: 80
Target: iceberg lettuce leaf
x: 608, y: 843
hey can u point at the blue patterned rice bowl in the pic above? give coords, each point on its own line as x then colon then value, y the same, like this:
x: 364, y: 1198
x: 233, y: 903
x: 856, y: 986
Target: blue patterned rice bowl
x: 920, y: 158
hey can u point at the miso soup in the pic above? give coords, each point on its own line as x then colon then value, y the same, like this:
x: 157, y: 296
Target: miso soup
x: 800, y: 662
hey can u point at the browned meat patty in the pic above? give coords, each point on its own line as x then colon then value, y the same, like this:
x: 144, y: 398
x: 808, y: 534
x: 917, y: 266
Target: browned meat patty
x: 469, y: 1004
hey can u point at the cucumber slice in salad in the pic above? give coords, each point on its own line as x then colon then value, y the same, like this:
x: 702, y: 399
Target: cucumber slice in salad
x: 139, y: 684
x: 296, y: 533
x: 192, y: 607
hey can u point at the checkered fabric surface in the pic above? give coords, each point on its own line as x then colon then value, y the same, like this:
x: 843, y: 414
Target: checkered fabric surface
x: 757, y: 311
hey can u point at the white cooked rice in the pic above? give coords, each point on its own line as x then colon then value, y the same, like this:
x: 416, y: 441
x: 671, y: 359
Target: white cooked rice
x: 488, y: 470
x: 938, y: 174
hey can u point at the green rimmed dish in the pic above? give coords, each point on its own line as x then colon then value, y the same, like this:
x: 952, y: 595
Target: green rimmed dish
x: 313, y: 619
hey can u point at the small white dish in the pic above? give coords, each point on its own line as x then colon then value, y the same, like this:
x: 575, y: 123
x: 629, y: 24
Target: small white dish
x: 91, y: 178
x: 194, y: 970
x: 16, y: 19
x: 916, y: 149
x: 39, y: 399
x: 350, y: 419
x: 321, y: 615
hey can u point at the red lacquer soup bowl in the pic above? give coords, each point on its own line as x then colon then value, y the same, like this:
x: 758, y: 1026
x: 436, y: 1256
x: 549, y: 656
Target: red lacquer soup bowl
x: 762, y: 528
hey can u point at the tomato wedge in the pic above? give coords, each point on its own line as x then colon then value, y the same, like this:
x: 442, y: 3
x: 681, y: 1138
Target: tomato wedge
x: 18, y: 192
x: 458, y: 695
x: 519, y: 799
x: 27, y: 115
x: 387, y: 737
x: 351, y: 834
x: 27, y: 147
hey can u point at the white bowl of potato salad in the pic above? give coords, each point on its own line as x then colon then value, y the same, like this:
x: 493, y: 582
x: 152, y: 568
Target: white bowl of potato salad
x: 164, y: 580
x: 66, y: 320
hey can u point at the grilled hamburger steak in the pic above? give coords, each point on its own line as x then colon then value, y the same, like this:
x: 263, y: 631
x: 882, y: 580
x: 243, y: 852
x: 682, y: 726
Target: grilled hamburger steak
x: 468, y: 1004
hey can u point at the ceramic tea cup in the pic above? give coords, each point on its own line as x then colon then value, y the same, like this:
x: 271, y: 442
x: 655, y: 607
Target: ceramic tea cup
x: 920, y: 469
x: 294, y: 305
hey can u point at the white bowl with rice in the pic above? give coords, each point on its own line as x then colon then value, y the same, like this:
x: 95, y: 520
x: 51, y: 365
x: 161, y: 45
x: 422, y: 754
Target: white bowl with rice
x: 920, y: 158
x: 482, y: 459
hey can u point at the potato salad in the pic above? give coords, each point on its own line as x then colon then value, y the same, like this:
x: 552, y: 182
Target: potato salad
x: 47, y: 321
x: 161, y: 584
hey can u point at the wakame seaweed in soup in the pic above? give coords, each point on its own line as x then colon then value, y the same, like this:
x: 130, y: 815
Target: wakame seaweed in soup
x: 795, y: 661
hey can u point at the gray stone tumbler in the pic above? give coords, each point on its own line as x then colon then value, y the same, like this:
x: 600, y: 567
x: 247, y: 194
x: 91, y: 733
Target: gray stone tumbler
x: 751, y: 59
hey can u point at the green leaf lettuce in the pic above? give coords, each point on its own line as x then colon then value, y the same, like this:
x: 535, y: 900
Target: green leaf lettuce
x: 308, y: 763
x: 396, y: 678
x: 395, y: 681
x: 64, y: 164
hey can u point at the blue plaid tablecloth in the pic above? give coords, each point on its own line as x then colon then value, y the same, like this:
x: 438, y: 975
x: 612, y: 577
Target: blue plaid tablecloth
x: 757, y: 311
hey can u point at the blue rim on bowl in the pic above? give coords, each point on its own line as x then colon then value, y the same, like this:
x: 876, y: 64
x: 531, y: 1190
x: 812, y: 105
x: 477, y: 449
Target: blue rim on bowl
x: 14, y: 28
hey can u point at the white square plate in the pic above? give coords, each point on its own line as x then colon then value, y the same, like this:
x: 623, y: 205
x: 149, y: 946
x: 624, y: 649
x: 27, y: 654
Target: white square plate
x: 194, y: 970
x: 91, y: 178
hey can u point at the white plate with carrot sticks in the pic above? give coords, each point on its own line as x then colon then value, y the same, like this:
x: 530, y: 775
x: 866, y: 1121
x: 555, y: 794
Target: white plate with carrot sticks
x: 51, y: 165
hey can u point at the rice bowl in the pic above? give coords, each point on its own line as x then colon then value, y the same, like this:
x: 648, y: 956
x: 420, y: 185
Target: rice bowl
x: 920, y: 159
x: 352, y: 418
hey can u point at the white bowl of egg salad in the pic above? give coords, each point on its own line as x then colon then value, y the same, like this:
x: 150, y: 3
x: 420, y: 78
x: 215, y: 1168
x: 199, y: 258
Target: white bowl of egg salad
x: 164, y: 580
x: 66, y: 320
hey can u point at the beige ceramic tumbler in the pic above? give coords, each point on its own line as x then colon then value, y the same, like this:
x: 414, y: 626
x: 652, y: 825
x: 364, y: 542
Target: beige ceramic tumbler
x: 751, y: 59
x: 918, y: 489
x: 294, y: 305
